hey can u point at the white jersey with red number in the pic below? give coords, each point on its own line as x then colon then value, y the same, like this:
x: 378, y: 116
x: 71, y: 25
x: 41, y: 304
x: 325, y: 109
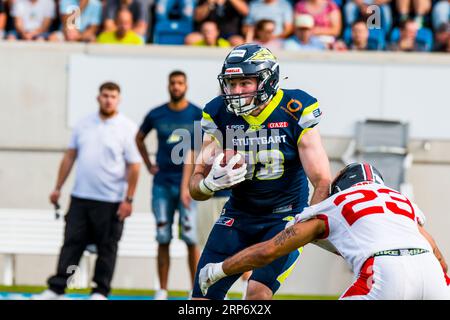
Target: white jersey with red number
x: 366, y: 219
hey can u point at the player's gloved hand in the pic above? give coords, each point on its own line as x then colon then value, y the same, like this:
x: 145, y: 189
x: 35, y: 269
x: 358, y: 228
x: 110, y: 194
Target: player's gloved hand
x: 210, y: 274
x: 223, y: 177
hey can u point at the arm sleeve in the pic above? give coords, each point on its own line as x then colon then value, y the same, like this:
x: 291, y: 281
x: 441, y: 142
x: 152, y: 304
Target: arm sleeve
x: 311, y: 114
x: 147, y: 124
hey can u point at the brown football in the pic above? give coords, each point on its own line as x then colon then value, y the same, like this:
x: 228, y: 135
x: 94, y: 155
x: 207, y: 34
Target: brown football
x: 229, y: 153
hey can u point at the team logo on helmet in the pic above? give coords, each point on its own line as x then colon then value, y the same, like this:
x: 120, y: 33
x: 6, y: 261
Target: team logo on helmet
x: 262, y: 55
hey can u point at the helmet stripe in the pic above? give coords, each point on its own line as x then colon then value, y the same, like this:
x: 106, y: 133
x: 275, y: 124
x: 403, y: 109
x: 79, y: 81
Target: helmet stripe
x: 368, y: 172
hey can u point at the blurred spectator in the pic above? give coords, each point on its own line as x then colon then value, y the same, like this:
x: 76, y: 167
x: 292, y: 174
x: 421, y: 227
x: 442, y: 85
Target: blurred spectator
x: 227, y: 13
x: 442, y: 37
x: 280, y: 11
x: 209, y: 36
x: 124, y: 33
x: 181, y: 9
x: 303, y: 39
x: 357, y: 9
x: 448, y: 45
x: 440, y: 13
x: 80, y: 20
x: 420, y: 8
x: 359, y: 38
x: 408, y: 35
x: 139, y: 9
x: 32, y: 19
x: 2, y: 19
x: 264, y: 35
x: 327, y: 18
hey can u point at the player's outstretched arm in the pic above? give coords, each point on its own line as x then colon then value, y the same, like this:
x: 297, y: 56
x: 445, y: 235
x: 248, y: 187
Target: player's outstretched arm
x: 263, y: 253
x: 315, y: 162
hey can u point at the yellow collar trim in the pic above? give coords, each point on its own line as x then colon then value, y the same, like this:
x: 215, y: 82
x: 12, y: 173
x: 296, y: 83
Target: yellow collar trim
x: 260, y: 118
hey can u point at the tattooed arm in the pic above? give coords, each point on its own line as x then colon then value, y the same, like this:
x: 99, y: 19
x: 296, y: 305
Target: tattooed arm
x: 263, y: 253
x: 282, y: 244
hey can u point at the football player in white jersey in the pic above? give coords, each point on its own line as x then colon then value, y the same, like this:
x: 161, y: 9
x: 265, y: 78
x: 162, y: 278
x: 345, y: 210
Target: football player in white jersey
x: 377, y: 230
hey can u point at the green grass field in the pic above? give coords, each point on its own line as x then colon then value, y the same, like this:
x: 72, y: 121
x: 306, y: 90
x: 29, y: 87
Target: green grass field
x: 173, y: 294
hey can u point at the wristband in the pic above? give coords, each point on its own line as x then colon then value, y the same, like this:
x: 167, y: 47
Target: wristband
x: 204, y: 189
x: 218, y: 272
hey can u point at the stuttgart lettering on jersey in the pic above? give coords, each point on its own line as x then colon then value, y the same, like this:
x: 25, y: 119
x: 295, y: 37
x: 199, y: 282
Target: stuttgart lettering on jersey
x: 258, y: 140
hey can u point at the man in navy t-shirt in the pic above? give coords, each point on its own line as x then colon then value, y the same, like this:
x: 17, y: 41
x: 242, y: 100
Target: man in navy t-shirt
x: 174, y: 123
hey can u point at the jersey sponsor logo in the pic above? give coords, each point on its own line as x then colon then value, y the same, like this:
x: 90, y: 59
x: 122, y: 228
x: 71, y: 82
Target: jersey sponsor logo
x: 225, y: 221
x: 235, y: 127
x: 174, y: 138
x: 250, y: 141
x: 233, y: 71
x: 262, y: 55
x: 255, y: 127
x: 274, y: 125
x: 294, y: 105
x: 237, y: 53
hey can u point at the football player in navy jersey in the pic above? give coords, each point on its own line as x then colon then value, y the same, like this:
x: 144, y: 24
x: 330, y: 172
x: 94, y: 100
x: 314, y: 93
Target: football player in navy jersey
x: 274, y: 130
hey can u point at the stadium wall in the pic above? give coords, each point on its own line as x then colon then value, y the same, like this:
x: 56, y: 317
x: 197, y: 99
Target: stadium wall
x: 44, y: 89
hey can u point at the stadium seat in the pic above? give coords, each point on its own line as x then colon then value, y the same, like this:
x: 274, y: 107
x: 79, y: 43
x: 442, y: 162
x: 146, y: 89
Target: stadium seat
x: 171, y: 31
x: 424, y: 37
x: 384, y: 144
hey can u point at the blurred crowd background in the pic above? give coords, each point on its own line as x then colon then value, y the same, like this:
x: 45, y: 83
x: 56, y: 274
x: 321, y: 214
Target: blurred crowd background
x: 391, y: 25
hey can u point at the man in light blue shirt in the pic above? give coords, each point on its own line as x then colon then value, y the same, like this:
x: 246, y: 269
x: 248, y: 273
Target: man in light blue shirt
x: 303, y: 40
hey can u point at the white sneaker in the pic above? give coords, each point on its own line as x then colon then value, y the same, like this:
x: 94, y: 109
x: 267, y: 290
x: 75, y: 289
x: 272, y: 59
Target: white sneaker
x: 97, y: 296
x: 47, y: 295
x: 161, y: 294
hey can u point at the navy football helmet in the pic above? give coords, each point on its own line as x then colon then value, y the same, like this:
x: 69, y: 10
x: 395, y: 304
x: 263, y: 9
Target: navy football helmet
x: 249, y: 61
x: 355, y: 173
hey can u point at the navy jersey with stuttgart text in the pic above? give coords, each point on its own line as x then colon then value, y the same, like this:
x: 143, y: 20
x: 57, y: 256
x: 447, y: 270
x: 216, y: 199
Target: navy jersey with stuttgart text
x: 276, y: 182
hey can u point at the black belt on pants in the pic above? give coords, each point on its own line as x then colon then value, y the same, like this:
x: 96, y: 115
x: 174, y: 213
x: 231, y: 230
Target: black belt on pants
x: 400, y: 252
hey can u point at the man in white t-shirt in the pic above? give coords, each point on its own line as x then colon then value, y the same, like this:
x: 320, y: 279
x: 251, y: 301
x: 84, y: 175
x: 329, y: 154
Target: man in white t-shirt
x: 32, y: 19
x: 378, y: 232
x: 108, y: 165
